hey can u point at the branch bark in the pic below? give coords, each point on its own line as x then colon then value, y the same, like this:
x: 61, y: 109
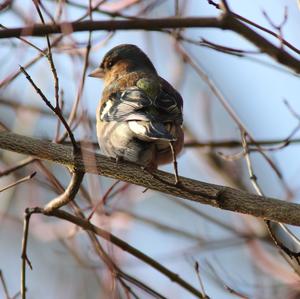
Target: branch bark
x: 134, y: 24
x: 217, y: 196
x: 225, y: 21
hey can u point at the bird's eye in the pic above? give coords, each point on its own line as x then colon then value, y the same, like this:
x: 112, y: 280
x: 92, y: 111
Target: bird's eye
x: 109, y: 64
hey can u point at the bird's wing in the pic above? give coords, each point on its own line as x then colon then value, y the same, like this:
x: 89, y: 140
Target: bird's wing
x: 125, y: 106
x: 146, y: 111
x: 169, y: 102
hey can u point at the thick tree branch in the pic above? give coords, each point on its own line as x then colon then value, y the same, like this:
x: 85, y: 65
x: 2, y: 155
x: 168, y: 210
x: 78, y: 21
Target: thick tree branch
x: 134, y: 24
x: 225, y: 21
x: 225, y: 198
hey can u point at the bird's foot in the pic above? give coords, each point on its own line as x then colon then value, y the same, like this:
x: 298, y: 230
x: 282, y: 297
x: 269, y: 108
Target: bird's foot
x: 117, y: 159
x: 150, y: 168
x: 175, y: 165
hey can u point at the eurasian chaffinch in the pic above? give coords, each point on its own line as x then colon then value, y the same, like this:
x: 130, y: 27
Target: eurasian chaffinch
x: 139, y: 117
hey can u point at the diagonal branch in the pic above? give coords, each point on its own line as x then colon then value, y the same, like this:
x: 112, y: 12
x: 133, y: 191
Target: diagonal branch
x: 217, y: 196
x: 22, y: 180
x: 86, y: 225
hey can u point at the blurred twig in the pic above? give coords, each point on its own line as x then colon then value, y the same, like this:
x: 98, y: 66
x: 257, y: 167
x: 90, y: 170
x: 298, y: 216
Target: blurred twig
x: 24, y: 254
x: 3, y: 282
x: 292, y: 254
x: 49, y: 56
x: 25, y: 179
x: 98, y: 248
x: 232, y: 291
x: 55, y: 109
x: 86, y: 225
x: 19, y: 165
x: 225, y: 21
x: 237, y: 143
x: 264, y: 29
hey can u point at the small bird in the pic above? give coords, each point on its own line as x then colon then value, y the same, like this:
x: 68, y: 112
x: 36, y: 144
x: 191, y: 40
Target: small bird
x: 139, y: 118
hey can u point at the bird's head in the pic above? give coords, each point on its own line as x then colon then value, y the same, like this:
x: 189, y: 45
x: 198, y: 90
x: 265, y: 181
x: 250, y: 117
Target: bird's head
x: 121, y: 60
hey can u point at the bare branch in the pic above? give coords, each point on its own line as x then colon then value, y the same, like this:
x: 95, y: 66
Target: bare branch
x: 264, y: 29
x: 3, y: 282
x: 56, y: 109
x: 22, y: 180
x: 234, y: 143
x: 24, y: 256
x: 50, y: 57
x: 224, y: 6
x: 19, y: 165
x: 86, y: 225
x: 226, y: 21
x: 228, y: 198
x: 68, y: 195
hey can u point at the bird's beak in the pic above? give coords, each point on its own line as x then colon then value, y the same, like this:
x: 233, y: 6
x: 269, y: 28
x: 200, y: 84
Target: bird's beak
x: 97, y: 73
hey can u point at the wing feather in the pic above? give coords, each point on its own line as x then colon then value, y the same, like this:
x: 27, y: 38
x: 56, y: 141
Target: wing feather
x: 148, y: 118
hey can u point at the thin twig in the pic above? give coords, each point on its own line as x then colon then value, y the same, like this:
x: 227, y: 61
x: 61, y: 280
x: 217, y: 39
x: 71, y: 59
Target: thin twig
x: 253, y: 178
x: 56, y: 110
x: 25, y: 179
x: 4, y: 285
x: 103, y: 199
x: 61, y: 105
x: 197, y: 269
x: 187, y: 57
x: 264, y: 29
x: 42, y: 52
x: 175, y: 164
x: 224, y: 6
x: 74, y: 109
x: 24, y: 256
x: 279, y: 27
x: 31, y: 62
x: 50, y: 57
x: 225, y: 285
x: 225, y: 21
x: 86, y: 225
x: 18, y: 166
x: 115, y: 270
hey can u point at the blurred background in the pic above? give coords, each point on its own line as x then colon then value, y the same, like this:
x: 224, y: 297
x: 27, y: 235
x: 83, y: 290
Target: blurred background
x: 234, y: 253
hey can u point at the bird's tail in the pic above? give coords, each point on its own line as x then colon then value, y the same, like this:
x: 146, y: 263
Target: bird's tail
x: 151, y: 130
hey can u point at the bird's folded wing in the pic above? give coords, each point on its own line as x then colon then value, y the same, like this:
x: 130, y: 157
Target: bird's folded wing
x: 170, y: 102
x: 129, y: 105
x: 142, y: 114
x: 150, y: 131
